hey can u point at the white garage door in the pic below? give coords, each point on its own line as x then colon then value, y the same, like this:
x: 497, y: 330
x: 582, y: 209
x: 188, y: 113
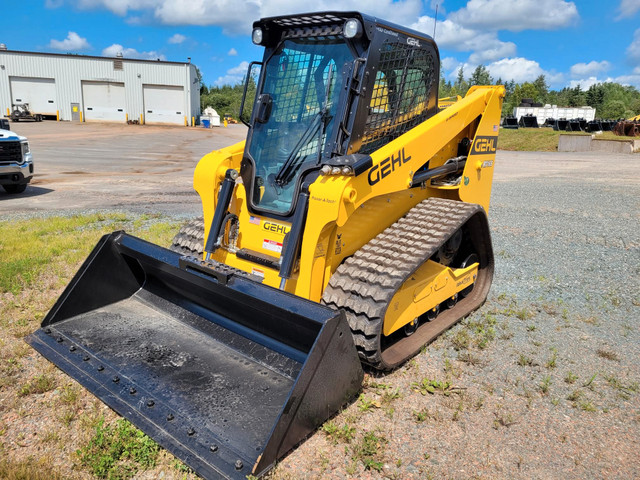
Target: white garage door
x: 163, y: 104
x: 103, y: 101
x: 39, y: 93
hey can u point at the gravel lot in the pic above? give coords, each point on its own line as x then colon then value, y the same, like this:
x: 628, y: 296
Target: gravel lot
x: 542, y: 382
x: 135, y: 168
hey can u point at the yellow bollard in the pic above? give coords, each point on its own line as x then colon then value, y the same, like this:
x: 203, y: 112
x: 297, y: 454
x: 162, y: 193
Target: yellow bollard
x: 193, y: 121
x: 57, y: 115
x: 141, y: 120
x: 225, y: 122
x: 185, y: 120
x: 126, y: 118
x: 80, y: 117
x: 8, y: 112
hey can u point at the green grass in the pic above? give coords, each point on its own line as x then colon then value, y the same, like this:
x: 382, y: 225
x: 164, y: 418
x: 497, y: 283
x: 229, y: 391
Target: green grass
x: 119, y: 451
x: 34, y: 247
x: 541, y: 139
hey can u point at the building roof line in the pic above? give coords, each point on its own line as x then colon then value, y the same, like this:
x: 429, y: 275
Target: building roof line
x: 77, y: 55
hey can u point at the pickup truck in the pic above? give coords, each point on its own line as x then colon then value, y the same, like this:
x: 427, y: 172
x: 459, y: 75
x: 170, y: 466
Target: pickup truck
x: 16, y: 162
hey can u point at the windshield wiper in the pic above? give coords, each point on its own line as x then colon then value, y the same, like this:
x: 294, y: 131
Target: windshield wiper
x: 285, y: 174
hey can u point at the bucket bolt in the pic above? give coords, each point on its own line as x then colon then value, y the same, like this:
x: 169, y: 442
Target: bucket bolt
x: 72, y: 348
x: 191, y: 431
x: 213, y: 448
x: 238, y: 464
x: 170, y: 417
x: 150, y: 403
x: 100, y: 368
x: 132, y: 391
x: 116, y: 379
x: 86, y: 358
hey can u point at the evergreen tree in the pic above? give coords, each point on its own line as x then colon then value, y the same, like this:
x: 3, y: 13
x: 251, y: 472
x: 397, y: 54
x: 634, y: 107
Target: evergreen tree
x: 461, y: 85
x: 480, y: 76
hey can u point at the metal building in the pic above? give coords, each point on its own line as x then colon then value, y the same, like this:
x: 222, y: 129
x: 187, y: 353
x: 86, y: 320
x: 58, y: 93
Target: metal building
x: 86, y: 88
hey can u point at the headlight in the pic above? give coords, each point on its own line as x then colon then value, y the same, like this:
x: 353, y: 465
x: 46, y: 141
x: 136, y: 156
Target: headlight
x: 25, y: 148
x: 257, y: 36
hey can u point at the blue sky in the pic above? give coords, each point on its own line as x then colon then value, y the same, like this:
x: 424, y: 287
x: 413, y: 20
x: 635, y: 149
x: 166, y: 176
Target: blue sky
x: 571, y: 42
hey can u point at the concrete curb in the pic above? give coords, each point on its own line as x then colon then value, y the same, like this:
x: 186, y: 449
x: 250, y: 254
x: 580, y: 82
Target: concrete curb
x: 588, y: 143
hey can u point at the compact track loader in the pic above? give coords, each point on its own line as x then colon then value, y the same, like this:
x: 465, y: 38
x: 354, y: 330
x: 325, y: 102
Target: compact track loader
x: 350, y: 227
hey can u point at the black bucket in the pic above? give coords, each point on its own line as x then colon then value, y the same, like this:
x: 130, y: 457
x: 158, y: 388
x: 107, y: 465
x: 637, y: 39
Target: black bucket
x: 224, y: 372
x: 510, y: 122
x: 528, y: 121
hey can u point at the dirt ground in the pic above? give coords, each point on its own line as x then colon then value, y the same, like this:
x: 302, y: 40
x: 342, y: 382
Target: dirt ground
x: 542, y: 382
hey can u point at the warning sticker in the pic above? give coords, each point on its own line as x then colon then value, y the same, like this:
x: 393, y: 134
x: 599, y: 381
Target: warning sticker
x: 258, y: 272
x: 272, y: 245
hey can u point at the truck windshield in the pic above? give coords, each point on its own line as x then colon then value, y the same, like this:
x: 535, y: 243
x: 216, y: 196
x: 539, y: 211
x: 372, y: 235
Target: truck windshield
x: 303, y: 78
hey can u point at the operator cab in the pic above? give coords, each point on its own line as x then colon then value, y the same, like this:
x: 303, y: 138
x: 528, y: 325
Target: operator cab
x: 331, y: 85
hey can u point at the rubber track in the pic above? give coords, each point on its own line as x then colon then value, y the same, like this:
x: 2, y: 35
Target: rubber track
x: 365, y: 283
x: 190, y: 238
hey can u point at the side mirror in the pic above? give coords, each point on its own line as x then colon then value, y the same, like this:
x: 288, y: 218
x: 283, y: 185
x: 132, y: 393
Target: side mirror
x: 263, y: 107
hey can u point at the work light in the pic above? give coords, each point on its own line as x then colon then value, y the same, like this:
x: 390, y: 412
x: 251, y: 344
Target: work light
x: 352, y: 28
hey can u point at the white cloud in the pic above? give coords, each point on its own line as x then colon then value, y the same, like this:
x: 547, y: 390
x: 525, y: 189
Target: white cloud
x: 585, y: 83
x: 633, y: 50
x: 237, y: 16
x: 633, y: 80
x: 518, y: 69
x: 627, y: 9
x: 516, y: 15
x: 115, y: 49
x: 500, y: 50
x: 71, y: 43
x: 232, y: 53
x: 234, y: 75
x: 177, y: 38
x: 589, y: 69
x: 449, y: 64
x: 453, y: 36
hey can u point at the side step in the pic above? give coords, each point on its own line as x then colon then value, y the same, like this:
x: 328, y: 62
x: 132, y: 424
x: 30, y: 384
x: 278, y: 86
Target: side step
x: 224, y: 372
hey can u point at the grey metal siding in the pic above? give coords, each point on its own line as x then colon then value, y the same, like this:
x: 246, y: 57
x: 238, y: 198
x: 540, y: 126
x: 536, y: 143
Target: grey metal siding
x: 70, y: 70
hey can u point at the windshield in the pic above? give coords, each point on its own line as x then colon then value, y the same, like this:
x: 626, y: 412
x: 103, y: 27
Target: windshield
x: 303, y: 78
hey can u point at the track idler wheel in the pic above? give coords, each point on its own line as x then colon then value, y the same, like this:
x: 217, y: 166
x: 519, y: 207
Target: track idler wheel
x: 451, y: 302
x: 433, y: 313
x: 410, y: 328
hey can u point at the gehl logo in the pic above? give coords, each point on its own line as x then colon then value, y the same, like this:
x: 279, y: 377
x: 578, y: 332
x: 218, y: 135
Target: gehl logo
x: 385, y: 167
x: 484, y: 145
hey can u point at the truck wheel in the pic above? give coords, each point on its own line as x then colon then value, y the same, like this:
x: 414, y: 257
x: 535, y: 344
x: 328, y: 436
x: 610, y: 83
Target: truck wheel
x: 15, y: 188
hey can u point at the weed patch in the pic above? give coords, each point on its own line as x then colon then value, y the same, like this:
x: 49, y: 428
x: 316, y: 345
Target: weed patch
x: 41, y: 384
x: 370, y: 451
x: 428, y: 386
x: 118, y: 451
x: 608, y: 355
x: 29, y: 469
x: 345, y: 434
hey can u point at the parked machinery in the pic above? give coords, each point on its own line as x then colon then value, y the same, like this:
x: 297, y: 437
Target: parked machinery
x: 351, y: 226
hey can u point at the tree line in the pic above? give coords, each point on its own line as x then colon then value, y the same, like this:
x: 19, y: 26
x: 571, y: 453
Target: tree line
x: 611, y: 100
